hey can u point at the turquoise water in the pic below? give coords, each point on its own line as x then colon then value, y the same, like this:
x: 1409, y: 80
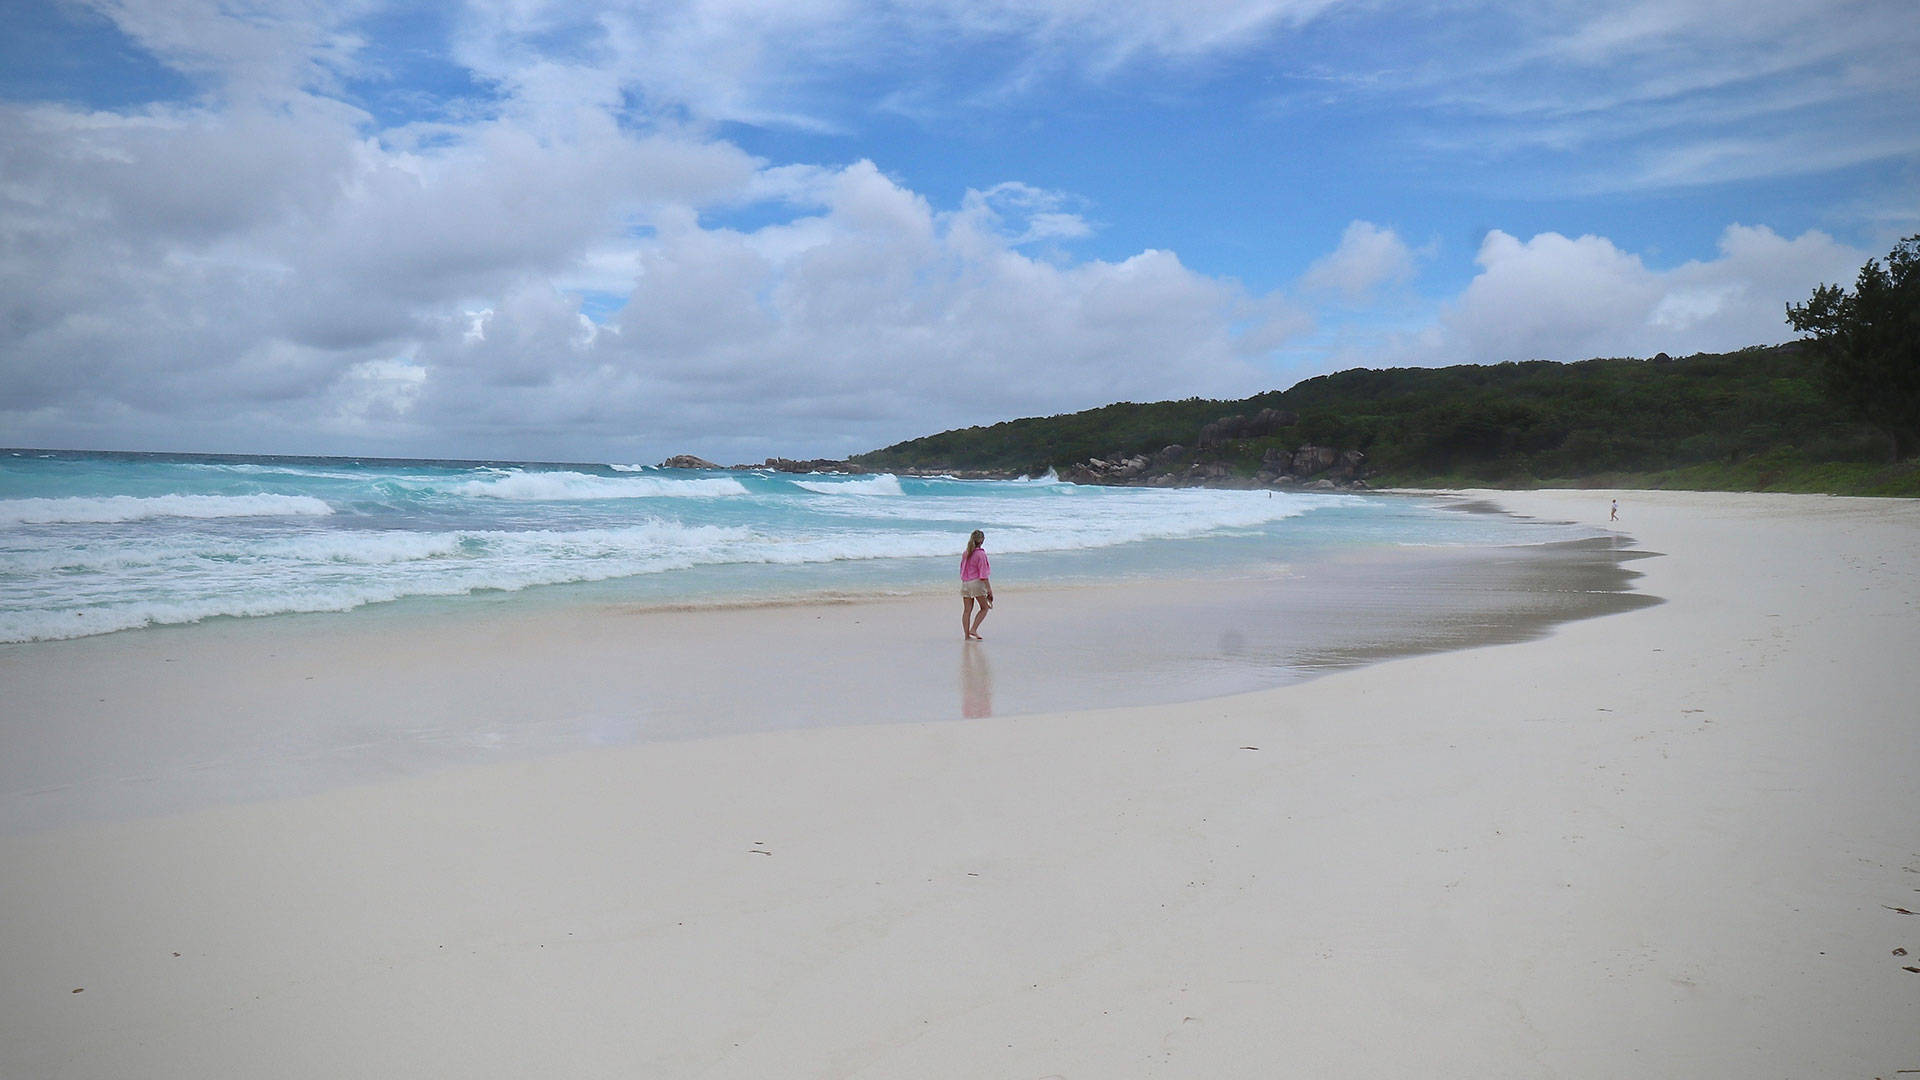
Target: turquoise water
x: 98, y: 543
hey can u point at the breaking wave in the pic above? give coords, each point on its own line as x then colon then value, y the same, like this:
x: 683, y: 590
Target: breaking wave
x: 568, y: 486
x: 124, y: 508
x: 884, y: 484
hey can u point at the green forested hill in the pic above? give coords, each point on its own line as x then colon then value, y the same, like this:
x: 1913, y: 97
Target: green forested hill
x: 1753, y: 418
x: 1036, y: 443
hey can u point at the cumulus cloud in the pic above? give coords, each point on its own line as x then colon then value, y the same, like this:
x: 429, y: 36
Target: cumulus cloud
x: 839, y: 324
x: 268, y: 262
x: 297, y: 276
x: 1368, y: 257
x: 1559, y: 298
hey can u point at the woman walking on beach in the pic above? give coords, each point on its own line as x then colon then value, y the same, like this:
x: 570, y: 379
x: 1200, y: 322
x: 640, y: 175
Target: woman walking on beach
x: 975, y: 585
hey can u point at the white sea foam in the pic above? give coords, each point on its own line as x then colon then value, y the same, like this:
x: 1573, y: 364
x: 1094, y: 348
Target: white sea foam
x: 884, y: 484
x: 277, y: 469
x: 1043, y: 525
x: 1049, y: 479
x: 175, y: 555
x: 49, y: 595
x: 107, y: 509
x: 567, y: 486
x: 1124, y: 513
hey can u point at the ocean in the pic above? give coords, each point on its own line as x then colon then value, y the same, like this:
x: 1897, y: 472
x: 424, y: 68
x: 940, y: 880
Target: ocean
x: 99, y: 543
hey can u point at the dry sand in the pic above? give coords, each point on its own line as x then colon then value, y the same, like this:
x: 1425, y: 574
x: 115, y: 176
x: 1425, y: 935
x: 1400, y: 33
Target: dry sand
x: 1671, y: 842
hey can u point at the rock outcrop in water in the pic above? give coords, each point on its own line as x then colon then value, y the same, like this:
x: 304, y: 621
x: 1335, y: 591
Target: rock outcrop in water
x: 687, y: 461
x: 812, y: 465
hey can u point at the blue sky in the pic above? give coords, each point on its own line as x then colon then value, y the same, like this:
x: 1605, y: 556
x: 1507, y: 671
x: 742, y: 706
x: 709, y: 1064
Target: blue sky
x: 621, y: 231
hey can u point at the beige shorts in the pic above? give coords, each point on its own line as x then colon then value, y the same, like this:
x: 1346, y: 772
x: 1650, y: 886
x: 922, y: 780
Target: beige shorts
x: 977, y: 588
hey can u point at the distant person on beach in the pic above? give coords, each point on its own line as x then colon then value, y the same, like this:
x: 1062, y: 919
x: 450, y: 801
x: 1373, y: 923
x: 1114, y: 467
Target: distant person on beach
x: 1614, y: 514
x: 975, y: 586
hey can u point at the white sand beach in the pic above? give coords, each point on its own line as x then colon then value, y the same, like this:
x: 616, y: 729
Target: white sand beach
x: 1678, y: 841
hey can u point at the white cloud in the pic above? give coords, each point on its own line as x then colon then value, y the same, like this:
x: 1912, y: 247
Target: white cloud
x: 743, y: 345
x: 258, y: 51
x: 770, y: 64
x: 1026, y: 214
x: 1674, y: 93
x: 1368, y: 257
x: 1551, y: 294
x: 1649, y: 80
x: 266, y: 279
x: 381, y: 387
x: 1556, y: 298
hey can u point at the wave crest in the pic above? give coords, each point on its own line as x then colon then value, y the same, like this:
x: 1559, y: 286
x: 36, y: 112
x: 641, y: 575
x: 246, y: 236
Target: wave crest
x: 884, y: 484
x: 562, y: 486
x: 80, y: 510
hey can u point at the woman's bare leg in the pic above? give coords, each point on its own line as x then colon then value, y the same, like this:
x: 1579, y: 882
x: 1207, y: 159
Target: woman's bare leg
x: 973, y: 631
x: 967, y: 621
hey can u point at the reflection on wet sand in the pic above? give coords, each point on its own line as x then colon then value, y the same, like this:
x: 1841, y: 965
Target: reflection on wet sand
x: 359, y: 699
x: 976, y: 682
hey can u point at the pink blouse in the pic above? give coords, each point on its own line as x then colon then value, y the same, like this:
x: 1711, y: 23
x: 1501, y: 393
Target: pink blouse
x: 974, y: 567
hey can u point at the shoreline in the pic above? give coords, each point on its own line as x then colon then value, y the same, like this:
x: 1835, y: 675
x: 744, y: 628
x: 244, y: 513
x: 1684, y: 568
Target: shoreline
x: 1667, y: 841
x: 242, y: 710
x: 325, y: 543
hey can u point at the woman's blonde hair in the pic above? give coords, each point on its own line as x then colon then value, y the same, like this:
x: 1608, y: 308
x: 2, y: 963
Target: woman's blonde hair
x: 974, y: 542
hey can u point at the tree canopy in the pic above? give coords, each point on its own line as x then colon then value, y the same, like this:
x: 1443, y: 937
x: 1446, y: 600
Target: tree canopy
x: 1505, y: 423
x: 1868, y: 343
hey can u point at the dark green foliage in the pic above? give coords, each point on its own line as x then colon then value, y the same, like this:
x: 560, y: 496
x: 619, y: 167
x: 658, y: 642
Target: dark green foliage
x: 1513, y: 423
x: 1868, y: 343
x: 1035, y: 443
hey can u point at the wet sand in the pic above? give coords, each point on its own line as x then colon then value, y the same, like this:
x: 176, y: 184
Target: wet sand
x: 178, y: 718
